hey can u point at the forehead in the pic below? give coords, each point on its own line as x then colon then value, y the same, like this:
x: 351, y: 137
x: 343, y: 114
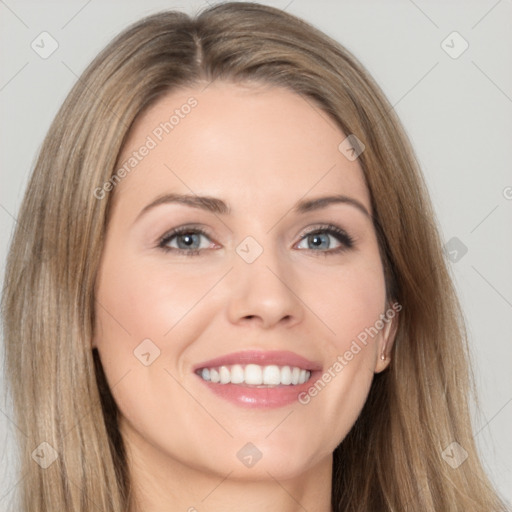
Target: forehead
x: 249, y: 144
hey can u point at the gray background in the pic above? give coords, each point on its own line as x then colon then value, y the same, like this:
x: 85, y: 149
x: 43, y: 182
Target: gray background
x: 457, y: 112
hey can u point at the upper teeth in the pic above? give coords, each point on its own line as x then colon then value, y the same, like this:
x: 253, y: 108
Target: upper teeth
x: 255, y: 374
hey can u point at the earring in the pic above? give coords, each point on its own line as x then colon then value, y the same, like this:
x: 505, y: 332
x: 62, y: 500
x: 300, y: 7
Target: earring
x: 383, y: 357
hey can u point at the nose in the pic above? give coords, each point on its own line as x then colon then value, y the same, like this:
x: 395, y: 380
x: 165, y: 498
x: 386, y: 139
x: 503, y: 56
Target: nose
x: 265, y: 292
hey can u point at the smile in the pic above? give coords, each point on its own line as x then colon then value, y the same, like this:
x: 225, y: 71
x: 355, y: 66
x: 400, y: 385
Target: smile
x: 255, y: 375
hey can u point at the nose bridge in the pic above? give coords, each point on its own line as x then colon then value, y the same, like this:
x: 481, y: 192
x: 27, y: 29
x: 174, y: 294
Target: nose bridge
x: 262, y: 284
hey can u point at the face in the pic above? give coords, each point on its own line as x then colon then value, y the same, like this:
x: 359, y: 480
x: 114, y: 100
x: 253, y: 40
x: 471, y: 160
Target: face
x: 212, y: 312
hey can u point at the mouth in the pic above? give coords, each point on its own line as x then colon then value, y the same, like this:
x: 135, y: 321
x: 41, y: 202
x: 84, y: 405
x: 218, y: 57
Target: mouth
x: 258, y: 379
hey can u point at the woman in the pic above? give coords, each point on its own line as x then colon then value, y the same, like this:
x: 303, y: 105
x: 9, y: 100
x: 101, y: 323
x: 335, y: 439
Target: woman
x: 199, y: 352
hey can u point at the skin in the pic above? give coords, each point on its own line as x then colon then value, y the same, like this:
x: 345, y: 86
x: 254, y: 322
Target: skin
x: 260, y: 149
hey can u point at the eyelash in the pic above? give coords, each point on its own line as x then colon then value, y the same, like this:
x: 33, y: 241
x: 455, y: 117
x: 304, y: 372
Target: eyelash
x: 347, y: 242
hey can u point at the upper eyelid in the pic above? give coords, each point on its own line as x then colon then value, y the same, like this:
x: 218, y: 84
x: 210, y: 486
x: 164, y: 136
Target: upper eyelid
x: 184, y: 229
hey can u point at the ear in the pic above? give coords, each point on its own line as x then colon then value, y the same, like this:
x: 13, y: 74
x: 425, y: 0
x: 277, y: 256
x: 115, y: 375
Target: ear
x: 385, y: 343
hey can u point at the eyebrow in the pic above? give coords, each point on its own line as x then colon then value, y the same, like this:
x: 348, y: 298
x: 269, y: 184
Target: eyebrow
x: 215, y: 205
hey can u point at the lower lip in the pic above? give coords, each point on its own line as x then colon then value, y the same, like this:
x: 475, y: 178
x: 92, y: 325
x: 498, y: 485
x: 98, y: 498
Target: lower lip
x: 260, y: 397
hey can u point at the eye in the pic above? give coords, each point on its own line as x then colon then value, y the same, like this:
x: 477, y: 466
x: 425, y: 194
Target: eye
x: 185, y: 240
x: 320, y: 238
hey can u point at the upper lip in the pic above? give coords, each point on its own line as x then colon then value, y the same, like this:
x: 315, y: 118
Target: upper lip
x: 263, y: 358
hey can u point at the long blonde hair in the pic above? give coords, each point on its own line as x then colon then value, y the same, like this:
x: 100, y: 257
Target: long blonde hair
x: 392, y: 458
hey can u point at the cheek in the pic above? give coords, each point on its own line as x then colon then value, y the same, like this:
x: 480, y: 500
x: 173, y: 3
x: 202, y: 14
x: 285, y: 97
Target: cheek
x: 351, y: 309
x: 144, y: 308
x: 352, y: 302
x: 139, y: 300
x: 136, y: 303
